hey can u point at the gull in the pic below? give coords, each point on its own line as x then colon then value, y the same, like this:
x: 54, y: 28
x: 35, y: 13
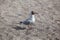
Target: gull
x: 29, y: 21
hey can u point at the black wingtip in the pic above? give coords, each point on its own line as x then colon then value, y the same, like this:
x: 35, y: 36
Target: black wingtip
x: 21, y: 22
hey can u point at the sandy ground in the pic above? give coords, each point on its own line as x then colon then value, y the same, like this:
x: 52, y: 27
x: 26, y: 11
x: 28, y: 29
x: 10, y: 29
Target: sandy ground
x: 47, y: 25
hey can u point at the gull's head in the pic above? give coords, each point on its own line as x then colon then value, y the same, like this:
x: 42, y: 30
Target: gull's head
x: 33, y: 13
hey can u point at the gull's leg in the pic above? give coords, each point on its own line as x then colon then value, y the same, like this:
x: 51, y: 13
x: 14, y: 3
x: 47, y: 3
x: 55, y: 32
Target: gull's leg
x: 29, y: 27
x: 28, y: 30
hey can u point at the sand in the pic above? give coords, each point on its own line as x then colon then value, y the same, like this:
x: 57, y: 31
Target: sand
x: 46, y: 27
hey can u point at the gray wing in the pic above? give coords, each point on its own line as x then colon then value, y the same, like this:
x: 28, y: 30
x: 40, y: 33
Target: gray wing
x: 26, y: 22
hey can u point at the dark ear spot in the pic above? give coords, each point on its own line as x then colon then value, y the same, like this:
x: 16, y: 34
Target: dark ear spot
x: 32, y: 12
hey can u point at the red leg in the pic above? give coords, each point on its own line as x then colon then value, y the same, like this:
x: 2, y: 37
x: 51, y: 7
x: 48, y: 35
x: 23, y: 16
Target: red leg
x: 29, y: 27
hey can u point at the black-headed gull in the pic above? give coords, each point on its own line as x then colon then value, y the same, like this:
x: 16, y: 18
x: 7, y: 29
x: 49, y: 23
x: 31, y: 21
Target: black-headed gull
x: 30, y: 20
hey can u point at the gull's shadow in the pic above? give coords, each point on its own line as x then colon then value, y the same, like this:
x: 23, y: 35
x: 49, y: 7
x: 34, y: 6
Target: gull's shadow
x: 19, y: 28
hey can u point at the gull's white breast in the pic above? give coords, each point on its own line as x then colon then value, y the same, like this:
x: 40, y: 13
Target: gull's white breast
x: 32, y: 19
